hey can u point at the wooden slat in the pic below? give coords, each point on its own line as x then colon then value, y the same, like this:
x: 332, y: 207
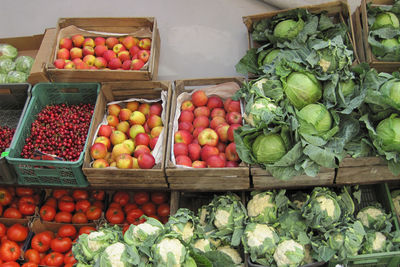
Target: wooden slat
x: 101, y: 22
x: 130, y: 186
x: 358, y: 33
x: 361, y: 162
x: 365, y: 175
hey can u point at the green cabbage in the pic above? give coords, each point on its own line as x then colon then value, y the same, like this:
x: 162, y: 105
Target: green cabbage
x: 24, y: 64
x: 6, y: 65
x: 268, y: 148
x: 8, y: 51
x: 302, y: 89
x: 386, y: 19
x: 315, y: 119
x: 16, y: 77
x: 288, y: 29
x: 388, y: 132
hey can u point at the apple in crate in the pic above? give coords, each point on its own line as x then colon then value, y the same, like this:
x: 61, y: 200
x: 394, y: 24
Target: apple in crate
x: 100, y: 163
x: 199, y: 98
x: 66, y: 43
x: 104, y: 140
x: 183, y: 136
x: 98, y: 151
x: 137, y: 117
x: 132, y: 106
x: 141, y: 149
x: 208, y: 137
x: 135, y: 130
x: 120, y: 149
x: 145, y: 43
x: 124, y: 161
x: 214, y: 102
x: 207, y: 151
x: 146, y: 161
x: 112, y: 120
x: 117, y: 137
x: 105, y: 130
x: 99, y: 41
x: 78, y: 40
x: 100, y: 50
x: 156, y: 131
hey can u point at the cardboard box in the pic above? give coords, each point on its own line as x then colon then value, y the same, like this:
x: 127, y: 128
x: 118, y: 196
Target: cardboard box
x: 145, y: 27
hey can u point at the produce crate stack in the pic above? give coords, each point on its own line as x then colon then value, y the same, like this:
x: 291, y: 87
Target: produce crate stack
x: 183, y: 175
x: 121, y: 93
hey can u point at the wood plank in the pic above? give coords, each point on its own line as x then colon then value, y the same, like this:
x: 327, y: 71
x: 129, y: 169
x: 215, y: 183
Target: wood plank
x: 322, y: 179
x: 358, y: 33
x: 206, y: 187
x: 361, y: 162
x: 130, y: 186
x: 209, y: 183
x: 365, y: 175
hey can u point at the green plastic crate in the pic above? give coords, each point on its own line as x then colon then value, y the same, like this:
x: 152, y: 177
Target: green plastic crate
x: 48, y: 172
x: 371, y: 194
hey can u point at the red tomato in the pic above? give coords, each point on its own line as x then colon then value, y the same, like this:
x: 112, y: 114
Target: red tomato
x: 86, y: 230
x: 79, y: 218
x: 115, y: 216
x: 3, y: 230
x: 141, y: 197
x: 12, y: 213
x: 99, y: 204
x: 42, y: 255
x: 5, y: 197
x: 67, y: 231
x: 155, y: 217
x: 29, y: 264
x: 80, y: 194
x: 63, y: 217
x: 67, y: 206
x: 115, y: 205
x: 134, y: 215
x: 10, y: 264
x: 52, y: 202
x: 121, y: 197
x: 125, y: 228
x: 14, y: 203
x: 82, y: 205
x: 26, y: 199
x: 9, y: 251
x: 58, y: 193
x: 27, y: 209
x: 61, y: 244
x: 130, y: 206
x: 69, y: 265
x: 32, y: 255
x: 163, y: 210
x: 17, y: 233
x: 164, y: 220
x: 11, y: 190
x: 47, y: 213
x: 98, y: 195
x: 139, y: 221
x: 159, y: 197
x: 149, y: 208
x: 54, y: 259
x: 69, y: 258
x: 67, y: 198
x: 41, y: 242
x: 24, y: 191
x: 93, y: 213
x: 36, y: 197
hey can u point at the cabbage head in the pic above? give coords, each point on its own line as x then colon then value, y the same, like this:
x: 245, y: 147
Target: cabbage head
x: 16, y: 77
x: 8, y: 51
x: 288, y: 29
x: 269, y: 148
x: 269, y: 58
x: 322, y: 210
x: 314, y: 119
x: 347, y: 87
x: 291, y: 223
x: 6, y: 65
x: 388, y: 133
x: 24, y: 64
x: 3, y: 78
x: 390, y: 43
x: 386, y: 19
x: 391, y: 89
x: 302, y: 89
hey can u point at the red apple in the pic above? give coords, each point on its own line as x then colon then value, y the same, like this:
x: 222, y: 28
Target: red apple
x: 155, y: 109
x: 232, y: 164
x: 142, y: 139
x: 183, y: 160
x: 146, y: 127
x: 118, y: 48
x: 89, y: 60
x: 183, y: 136
x: 88, y: 42
x: 129, y: 41
x: 100, y: 163
x: 117, y: 137
x: 144, y: 43
x: 82, y: 66
x: 98, y: 151
x: 124, y: 161
x: 202, y: 111
x: 231, y: 153
x: 59, y: 63
x: 77, y: 60
x: 137, y: 117
x: 144, y: 108
x: 135, y: 130
x: 65, y: 43
x: 63, y: 53
x: 187, y: 105
x: 133, y: 105
x: 221, y: 147
x: 195, y: 141
x: 199, y: 98
x: 108, y: 55
x: 146, y: 161
x: 111, y: 41
x: 114, y: 109
x: 78, y: 40
x: 214, y: 102
x: 105, y: 130
x: 217, y: 121
x: 104, y: 140
x: 123, y: 126
x: 222, y: 156
x: 232, y: 105
x: 143, y: 55
x: 154, y: 121
x: 156, y: 131
x: 231, y: 130
x: 100, y: 62
x: 185, y: 126
x: 100, y: 50
x: 134, y: 50
x: 99, y: 41
x: 199, y: 164
x: 201, y: 121
x: 69, y: 65
x: 215, y: 162
x: 114, y: 63
x: 75, y: 52
x: 124, y: 55
x: 197, y: 131
x: 87, y: 50
x: 120, y: 149
x: 180, y: 149
x: 222, y: 132
x: 137, y: 64
x: 126, y: 65
x: 208, y: 151
x: 194, y: 151
x: 234, y: 118
x: 141, y: 149
x: 112, y: 120
x: 187, y: 116
x: 208, y: 137
x: 218, y: 112
x: 153, y: 142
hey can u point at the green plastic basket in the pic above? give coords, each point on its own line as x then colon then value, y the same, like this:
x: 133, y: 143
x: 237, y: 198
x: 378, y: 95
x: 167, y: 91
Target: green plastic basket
x: 48, y: 172
x: 372, y: 194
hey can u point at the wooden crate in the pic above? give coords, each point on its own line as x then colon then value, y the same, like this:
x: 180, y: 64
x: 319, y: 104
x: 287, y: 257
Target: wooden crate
x: 363, y: 171
x: 339, y: 10
x: 128, y: 178
x: 93, y: 27
x: 382, y: 66
x: 207, y: 179
x: 264, y: 180
x: 35, y: 47
x: 358, y: 34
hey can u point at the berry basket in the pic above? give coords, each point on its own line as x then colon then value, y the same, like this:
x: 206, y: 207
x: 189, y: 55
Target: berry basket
x: 14, y: 100
x: 51, y: 172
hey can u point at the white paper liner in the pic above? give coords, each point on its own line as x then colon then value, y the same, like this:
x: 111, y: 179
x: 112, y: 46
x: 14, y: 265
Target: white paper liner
x: 157, y: 151
x: 223, y: 90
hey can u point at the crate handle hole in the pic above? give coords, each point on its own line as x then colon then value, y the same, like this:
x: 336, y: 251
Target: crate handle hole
x: 5, y: 91
x: 69, y: 90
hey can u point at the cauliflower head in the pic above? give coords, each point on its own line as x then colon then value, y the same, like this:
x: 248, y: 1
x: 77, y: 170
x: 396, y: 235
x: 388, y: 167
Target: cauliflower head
x: 289, y: 253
